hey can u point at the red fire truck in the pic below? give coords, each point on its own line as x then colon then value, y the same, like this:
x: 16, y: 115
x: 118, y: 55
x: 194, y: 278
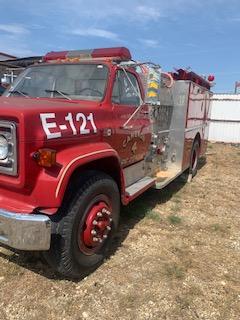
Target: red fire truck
x: 83, y: 132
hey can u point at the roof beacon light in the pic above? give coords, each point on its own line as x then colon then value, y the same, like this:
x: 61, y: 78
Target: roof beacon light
x: 118, y: 53
x: 211, y: 78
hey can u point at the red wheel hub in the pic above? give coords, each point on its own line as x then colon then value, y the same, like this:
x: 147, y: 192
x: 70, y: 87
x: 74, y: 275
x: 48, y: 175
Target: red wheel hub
x: 97, y: 225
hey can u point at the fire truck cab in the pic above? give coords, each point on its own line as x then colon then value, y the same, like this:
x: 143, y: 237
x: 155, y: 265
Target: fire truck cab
x: 83, y: 132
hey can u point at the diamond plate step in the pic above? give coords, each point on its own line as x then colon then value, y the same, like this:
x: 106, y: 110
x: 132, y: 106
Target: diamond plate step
x: 141, y: 184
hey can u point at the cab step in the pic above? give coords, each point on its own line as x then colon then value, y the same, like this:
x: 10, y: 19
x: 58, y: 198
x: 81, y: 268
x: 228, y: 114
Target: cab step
x: 140, y: 186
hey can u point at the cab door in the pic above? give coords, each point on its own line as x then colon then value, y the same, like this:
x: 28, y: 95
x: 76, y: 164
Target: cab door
x: 131, y: 140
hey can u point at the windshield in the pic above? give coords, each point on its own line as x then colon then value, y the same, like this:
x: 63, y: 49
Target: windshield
x: 65, y: 81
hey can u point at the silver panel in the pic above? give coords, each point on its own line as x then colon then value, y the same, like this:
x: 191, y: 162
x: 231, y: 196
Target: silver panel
x: 168, y: 123
x: 25, y: 231
x: 139, y: 185
x: 134, y: 173
x: 180, y: 93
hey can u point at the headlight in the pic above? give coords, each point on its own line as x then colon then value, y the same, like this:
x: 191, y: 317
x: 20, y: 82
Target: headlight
x: 3, y: 148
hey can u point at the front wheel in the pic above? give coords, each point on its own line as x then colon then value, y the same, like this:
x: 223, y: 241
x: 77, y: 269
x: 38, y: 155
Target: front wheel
x: 83, y: 234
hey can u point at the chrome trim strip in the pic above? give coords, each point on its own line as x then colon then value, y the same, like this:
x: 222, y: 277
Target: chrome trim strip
x: 165, y: 131
x: 25, y: 231
x: 12, y: 141
x: 195, y: 128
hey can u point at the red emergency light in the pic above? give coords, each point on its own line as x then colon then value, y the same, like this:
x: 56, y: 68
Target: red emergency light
x: 211, y: 78
x: 182, y: 74
x: 118, y: 53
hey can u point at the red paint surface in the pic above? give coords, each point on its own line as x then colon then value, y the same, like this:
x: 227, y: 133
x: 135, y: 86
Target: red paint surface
x: 182, y: 74
x: 119, y: 52
x: 41, y: 188
x: 100, y: 228
x: 44, y: 188
x: 55, y: 55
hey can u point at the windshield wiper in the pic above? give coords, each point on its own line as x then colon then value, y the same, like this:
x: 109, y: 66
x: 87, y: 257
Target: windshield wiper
x: 19, y: 92
x: 63, y: 94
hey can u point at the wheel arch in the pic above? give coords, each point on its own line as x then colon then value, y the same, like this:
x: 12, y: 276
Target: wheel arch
x: 109, y: 165
x: 197, y: 138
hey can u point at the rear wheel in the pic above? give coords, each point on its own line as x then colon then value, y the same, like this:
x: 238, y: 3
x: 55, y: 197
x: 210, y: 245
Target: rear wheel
x: 194, y: 158
x: 83, y: 234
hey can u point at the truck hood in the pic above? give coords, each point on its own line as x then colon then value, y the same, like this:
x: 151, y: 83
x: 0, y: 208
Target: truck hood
x: 49, y: 119
x: 18, y: 104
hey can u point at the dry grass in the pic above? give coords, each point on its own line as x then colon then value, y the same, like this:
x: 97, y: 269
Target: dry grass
x: 177, y: 257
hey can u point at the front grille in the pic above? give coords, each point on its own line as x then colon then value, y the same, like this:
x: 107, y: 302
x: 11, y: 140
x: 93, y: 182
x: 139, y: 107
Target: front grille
x: 9, y: 165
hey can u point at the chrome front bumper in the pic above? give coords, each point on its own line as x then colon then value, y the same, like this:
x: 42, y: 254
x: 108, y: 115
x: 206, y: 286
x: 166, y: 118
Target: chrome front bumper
x: 25, y: 231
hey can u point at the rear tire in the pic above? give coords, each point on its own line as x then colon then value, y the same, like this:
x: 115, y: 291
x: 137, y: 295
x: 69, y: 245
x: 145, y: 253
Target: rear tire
x: 194, y: 159
x: 86, y: 226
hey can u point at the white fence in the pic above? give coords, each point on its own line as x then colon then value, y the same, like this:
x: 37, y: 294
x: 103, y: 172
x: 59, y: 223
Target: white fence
x: 225, y: 118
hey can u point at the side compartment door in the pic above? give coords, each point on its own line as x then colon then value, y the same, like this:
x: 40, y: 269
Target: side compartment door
x: 132, y: 141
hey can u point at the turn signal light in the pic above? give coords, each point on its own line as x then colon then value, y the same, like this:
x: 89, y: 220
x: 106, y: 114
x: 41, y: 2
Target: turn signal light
x: 45, y: 157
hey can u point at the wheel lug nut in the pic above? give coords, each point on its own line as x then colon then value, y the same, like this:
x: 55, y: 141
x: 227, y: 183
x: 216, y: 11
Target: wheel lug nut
x: 93, y: 232
x: 99, y: 214
x: 95, y: 239
x: 110, y: 220
x: 94, y: 222
x: 104, y: 210
x: 105, y: 236
x: 109, y: 228
x: 108, y: 212
x: 100, y: 240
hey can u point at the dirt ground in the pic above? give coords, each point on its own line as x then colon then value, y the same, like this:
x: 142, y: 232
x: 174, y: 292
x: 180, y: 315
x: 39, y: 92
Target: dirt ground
x: 177, y: 257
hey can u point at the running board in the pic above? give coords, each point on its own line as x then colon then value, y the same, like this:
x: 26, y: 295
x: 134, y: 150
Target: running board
x: 140, y: 186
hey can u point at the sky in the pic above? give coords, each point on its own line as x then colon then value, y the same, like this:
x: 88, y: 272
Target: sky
x: 203, y: 35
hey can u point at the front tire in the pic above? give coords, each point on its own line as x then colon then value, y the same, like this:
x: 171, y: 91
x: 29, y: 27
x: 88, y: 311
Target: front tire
x: 83, y: 234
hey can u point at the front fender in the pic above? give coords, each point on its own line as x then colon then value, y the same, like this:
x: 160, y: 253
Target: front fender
x: 52, y: 183
x: 74, y: 158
